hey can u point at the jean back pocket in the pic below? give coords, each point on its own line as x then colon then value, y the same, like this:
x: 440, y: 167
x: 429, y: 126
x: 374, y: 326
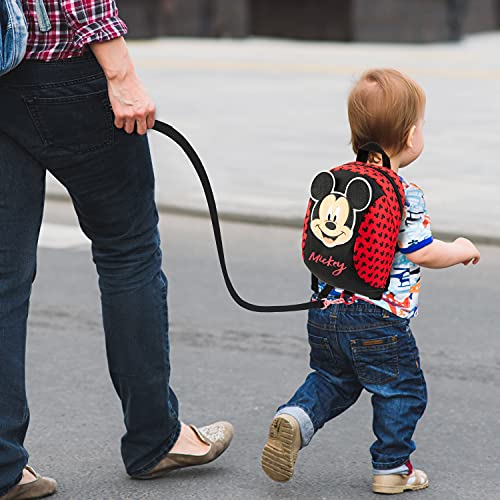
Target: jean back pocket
x: 376, y: 360
x: 322, y: 356
x: 74, y: 124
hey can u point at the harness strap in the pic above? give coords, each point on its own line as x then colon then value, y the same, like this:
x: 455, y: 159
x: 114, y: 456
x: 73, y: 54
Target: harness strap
x: 184, y: 144
x: 314, y: 283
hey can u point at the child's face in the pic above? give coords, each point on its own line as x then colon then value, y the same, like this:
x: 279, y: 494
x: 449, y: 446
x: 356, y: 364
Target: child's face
x: 415, y: 143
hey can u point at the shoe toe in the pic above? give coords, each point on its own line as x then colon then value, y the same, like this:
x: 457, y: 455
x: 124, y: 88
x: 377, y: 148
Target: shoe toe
x: 50, y: 485
x: 421, y: 477
x: 218, y: 432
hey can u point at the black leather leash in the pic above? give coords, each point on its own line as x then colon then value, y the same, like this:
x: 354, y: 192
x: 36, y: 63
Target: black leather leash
x: 184, y: 144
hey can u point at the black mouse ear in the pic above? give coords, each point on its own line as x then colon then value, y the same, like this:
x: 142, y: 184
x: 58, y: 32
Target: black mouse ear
x: 322, y: 185
x: 359, y: 193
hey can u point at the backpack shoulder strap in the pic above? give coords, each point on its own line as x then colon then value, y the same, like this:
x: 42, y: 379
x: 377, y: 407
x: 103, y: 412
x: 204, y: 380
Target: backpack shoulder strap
x: 314, y: 283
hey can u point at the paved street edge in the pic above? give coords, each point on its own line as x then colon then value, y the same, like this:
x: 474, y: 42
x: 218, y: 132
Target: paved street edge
x: 292, y: 222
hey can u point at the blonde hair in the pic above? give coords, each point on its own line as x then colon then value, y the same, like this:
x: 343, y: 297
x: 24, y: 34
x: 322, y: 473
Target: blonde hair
x: 383, y: 106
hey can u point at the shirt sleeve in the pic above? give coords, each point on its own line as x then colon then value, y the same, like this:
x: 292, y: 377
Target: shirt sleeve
x: 93, y: 20
x: 415, y: 230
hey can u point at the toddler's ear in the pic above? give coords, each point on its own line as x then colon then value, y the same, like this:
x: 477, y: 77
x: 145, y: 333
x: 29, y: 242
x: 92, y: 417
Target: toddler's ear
x: 409, y: 141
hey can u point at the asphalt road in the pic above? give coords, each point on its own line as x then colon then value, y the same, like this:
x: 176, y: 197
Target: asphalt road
x: 236, y: 365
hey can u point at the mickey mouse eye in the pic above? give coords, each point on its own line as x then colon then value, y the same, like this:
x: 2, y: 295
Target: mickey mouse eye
x: 329, y: 214
x: 336, y: 216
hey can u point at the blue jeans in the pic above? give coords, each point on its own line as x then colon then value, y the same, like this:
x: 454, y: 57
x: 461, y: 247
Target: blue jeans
x: 56, y: 116
x: 355, y: 347
x: 13, y: 34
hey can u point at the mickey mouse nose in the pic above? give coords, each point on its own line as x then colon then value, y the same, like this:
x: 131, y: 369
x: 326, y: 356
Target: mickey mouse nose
x: 331, y: 226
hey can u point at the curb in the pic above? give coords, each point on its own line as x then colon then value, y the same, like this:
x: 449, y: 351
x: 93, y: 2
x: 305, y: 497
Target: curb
x: 291, y: 222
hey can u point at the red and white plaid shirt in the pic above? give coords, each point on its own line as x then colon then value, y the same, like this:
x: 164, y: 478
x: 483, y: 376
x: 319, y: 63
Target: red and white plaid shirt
x: 75, y: 24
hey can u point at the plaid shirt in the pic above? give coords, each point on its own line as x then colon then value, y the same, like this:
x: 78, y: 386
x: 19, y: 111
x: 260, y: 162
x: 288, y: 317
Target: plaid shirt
x: 75, y: 24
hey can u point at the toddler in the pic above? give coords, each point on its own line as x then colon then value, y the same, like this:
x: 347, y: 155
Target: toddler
x: 365, y: 343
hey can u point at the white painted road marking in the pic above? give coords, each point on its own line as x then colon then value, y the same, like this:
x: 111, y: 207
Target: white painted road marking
x: 62, y: 236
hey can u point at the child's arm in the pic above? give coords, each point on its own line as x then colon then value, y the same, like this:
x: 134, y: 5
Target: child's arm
x: 439, y: 254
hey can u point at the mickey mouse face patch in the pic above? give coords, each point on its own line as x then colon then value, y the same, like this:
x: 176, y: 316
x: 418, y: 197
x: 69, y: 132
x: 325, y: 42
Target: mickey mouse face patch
x: 334, y: 214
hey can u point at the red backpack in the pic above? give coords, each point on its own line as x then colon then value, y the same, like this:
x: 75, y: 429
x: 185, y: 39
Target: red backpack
x: 352, y: 225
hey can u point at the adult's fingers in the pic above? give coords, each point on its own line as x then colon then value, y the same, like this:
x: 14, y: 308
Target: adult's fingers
x: 136, y: 122
x: 129, y: 125
x: 142, y: 126
x: 119, y: 122
x: 151, y: 118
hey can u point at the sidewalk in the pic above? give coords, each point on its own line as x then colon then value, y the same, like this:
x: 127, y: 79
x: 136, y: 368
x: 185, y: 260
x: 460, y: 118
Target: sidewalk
x: 266, y: 115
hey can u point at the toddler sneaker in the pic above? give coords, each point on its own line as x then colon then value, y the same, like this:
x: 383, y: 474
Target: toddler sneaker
x: 283, y: 445
x: 392, y: 484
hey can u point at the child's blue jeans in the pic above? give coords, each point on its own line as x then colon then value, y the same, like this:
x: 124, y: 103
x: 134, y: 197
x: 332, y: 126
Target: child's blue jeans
x: 355, y: 347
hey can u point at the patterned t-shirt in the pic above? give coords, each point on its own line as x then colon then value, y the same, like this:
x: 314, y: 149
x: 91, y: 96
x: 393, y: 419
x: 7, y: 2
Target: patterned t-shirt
x: 415, y: 233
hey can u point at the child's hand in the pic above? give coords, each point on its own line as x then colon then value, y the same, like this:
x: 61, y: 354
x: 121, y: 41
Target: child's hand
x: 470, y: 250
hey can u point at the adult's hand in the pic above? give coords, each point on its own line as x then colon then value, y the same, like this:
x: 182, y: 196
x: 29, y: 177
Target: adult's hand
x: 133, y: 108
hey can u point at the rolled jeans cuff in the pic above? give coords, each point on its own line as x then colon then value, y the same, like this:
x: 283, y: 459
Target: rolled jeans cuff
x: 402, y: 469
x: 305, y: 423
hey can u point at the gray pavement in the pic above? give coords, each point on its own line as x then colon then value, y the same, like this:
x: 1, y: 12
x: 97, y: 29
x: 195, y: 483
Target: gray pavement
x: 238, y: 365
x: 266, y: 115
